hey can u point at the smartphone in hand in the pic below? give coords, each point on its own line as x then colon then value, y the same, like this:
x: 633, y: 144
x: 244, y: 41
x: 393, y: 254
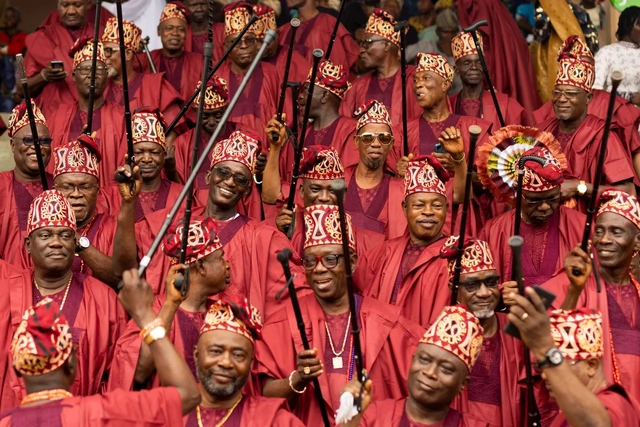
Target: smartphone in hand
x: 57, y: 65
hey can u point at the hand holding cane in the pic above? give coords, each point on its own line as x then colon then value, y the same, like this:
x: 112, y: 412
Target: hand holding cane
x: 295, y: 23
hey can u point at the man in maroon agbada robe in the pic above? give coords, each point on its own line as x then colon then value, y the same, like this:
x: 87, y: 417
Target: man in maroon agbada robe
x: 439, y: 370
x: 183, y: 69
x: 250, y: 247
x: 54, y: 16
x: 550, y: 230
x: 183, y: 316
x: 580, y: 134
x: 315, y: 32
x: 96, y: 319
x: 69, y: 120
x: 49, y: 371
x: 197, y: 31
x: 408, y: 271
x: 286, y: 369
x: 379, y: 52
x: 473, y: 100
x: 505, y: 50
x: 233, y: 327
x: 51, y: 42
x: 19, y: 186
x: 145, y: 89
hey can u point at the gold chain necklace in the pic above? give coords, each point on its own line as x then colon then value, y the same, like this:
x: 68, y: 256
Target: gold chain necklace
x: 223, y: 420
x: 337, y: 359
x: 66, y: 292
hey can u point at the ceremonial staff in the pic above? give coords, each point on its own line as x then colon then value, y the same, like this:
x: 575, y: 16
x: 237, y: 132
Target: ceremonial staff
x: 336, y: 27
x: 94, y: 61
x: 32, y: 120
x: 533, y: 414
x: 317, y: 55
x: 295, y: 23
x: 144, y: 262
x: 400, y: 26
x: 145, y: 46
x: 616, y: 79
x: 120, y: 176
x: 183, y: 283
x: 518, y: 215
x: 210, y: 27
x: 283, y: 257
x: 186, y: 106
x: 339, y: 188
x: 472, y: 29
x: 474, y: 131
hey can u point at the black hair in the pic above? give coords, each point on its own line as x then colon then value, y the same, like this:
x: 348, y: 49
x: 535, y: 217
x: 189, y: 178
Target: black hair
x: 628, y: 19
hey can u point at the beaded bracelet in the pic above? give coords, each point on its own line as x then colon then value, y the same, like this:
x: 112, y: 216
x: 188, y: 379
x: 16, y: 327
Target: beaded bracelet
x: 148, y: 328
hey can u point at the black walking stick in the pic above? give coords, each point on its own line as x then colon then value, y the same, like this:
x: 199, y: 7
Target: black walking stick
x: 400, y: 26
x: 295, y: 23
x: 336, y: 27
x: 283, y: 257
x: 94, y: 61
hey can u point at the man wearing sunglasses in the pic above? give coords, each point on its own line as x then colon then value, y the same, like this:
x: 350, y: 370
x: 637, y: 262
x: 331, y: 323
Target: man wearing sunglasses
x: 580, y: 133
x: 550, y: 230
x: 387, y: 338
x: 380, y: 53
x: 70, y: 120
x: 19, y: 186
x: 492, y: 395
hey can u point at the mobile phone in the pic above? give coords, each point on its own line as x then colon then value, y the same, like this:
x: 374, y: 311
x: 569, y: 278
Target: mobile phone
x: 57, y: 64
x: 547, y: 299
x: 438, y: 148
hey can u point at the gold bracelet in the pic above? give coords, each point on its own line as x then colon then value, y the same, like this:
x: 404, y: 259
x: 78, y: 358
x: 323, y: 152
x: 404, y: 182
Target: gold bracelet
x: 291, y: 384
x: 459, y: 161
x: 152, y: 325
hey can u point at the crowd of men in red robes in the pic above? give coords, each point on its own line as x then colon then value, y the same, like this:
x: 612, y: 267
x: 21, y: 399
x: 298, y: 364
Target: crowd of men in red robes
x: 382, y: 314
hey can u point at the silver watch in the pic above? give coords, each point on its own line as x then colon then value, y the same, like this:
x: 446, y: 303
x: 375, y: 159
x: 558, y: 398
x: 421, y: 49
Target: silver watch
x: 83, y: 243
x: 553, y: 357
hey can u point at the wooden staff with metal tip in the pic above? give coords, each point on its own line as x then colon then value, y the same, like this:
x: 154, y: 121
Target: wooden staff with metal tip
x: 145, y: 47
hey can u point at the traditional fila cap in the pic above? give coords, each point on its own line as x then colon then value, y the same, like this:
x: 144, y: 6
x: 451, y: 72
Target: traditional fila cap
x: 242, y: 146
x: 477, y: 255
x: 435, y: 63
x: 577, y: 333
x: 175, y: 9
x: 322, y: 163
x: 498, y: 161
x: 50, y: 209
x: 266, y: 21
x: 463, y: 45
x: 82, y: 50
x: 81, y: 155
x: 19, y: 117
x: 574, y: 47
x: 332, y: 77
x: 457, y: 331
x: 322, y: 227
x: 202, y: 241
x: 621, y: 203
x: 233, y: 315
x: 42, y: 343
x: 236, y: 17
x: 425, y: 174
x: 372, y: 111
x: 575, y: 71
x: 132, y: 33
x: 382, y: 24
x: 148, y: 126
x: 216, y: 95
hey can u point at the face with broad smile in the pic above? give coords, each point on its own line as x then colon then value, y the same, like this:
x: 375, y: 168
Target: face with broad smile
x: 426, y: 213
x: 616, y: 239
x: 229, y: 182
x: 52, y: 248
x: 480, y: 292
x: 570, y: 102
x: 375, y: 154
x: 329, y: 284
x: 24, y: 150
x: 317, y: 192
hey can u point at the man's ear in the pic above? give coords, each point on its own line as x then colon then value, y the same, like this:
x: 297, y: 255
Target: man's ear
x: 27, y: 244
x: 207, y: 177
x: 354, y: 261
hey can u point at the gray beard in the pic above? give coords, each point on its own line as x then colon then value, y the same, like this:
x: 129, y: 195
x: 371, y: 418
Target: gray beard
x: 484, y: 314
x: 216, y: 390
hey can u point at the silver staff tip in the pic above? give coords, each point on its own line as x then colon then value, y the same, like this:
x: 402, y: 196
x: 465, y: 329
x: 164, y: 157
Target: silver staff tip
x: 318, y: 53
x: 617, y: 76
x: 475, y: 130
x: 295, y: 22
x: 338, y: 185
x: 516, y: 241
x: 270, y: 36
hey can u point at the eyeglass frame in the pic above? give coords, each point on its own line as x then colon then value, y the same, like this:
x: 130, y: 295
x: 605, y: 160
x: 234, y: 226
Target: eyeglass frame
x: 100, y: 69
x: 376, y: 137
x: 236, y: 176
x: 321, y: 259
x: 366, y: 43
x: 535, y: 203
x: 475, y: 285
x: 72, y: 188
x: 44, y: 141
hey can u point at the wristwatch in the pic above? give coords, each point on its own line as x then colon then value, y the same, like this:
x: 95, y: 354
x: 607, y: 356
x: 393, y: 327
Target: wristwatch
x: 156, y: 333
x: 553, y: 357
x: 582, y: 188
x: 83, y: 243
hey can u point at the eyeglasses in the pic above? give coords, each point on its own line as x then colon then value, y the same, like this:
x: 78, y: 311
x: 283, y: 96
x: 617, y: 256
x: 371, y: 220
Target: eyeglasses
x: 329, y: 261
x: 29, y: 140
x: 108, y: 51
x: 224, y: 174
x: 365, y: 44
x: 85, y: 71
x: 82, y: 188
x: 489, y: 282
x: 385, y: 138
x: 535, y: 203
x: 248, y: 41
x: 569, y: 94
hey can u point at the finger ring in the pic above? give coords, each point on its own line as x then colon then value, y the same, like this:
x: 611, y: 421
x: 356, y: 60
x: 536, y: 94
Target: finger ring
x: 306, y: 370
x: 524, y: 316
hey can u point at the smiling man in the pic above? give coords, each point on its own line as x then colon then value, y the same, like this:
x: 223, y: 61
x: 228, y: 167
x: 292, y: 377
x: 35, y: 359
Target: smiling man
x: 387, y: 338
x: 69, y: 120
x: 439, y: 371
x: 550, y: 230
x: 19, y: 186
x: 95, y: 316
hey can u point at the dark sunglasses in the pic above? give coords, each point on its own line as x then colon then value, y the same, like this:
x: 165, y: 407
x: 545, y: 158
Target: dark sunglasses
x: 225, y: 174
x: 367, y: 138
x: 29, y: 141
x: 489, y: 282
x: 365, y: 44
x: 329, y: 261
